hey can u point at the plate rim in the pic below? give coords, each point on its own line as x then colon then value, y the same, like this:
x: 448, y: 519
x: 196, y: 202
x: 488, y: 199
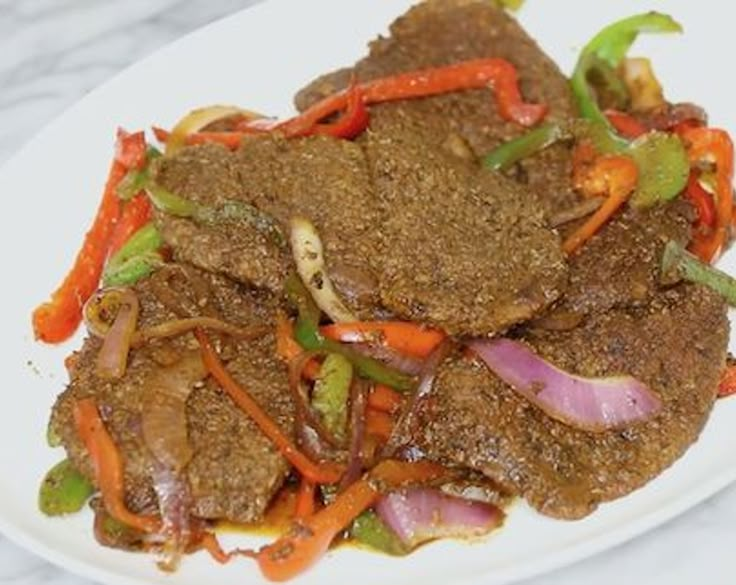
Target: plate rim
x: 550, y: 561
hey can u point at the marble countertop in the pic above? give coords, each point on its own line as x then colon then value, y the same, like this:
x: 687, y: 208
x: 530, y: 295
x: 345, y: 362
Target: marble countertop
x: 52, y: 52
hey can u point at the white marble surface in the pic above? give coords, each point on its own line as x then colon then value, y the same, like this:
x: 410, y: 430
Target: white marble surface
x: 54, y: 51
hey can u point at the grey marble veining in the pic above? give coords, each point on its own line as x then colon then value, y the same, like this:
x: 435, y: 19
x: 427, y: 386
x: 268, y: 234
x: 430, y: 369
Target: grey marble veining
x: 52, y: 52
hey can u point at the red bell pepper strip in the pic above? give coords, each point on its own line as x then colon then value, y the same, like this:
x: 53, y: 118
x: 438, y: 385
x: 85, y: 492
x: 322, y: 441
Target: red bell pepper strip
x: 625, y: 124
x: 497, y: 74
x: 130, y: 149
x: 135, y: 214
x: 57, y: 319
x: 681, y: 127
x: 412, y: 339
x: 714, y: 146
x: 303, y: 546
x: 108, y: 466
x: 351, y: 123
x: 322, y: 472
x: 727, y: 385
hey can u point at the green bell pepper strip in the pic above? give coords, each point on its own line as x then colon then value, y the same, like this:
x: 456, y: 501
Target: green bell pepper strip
x: 370, y: 530
x: 661, y: 158
x: 178, y: 206
x: 137, y: 179
x: 136, y: 259
x: 535, y: 140
x: 330, y: 394
x: 611, y: 46
x: 307, y: 334
x: 64, y: 490
x: 663, y: 168
x: 170, y: 203
x: 679, y: 264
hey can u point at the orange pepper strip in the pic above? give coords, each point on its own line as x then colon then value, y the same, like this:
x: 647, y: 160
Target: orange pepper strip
x: 727, y: 385
x: 303, y: 546
x: 325, y: 472
x: 615, y: 175
x: 711, y: 145
x: 404, y: 337
x: 384, y: 399
x: 209, y: 542
x: 108, y: 466
x: 135, y: 214
x: 379, y: 424
x: 498, y: 74
x: 57, y: 319
x: 288, y: 349
x: 305, y: 499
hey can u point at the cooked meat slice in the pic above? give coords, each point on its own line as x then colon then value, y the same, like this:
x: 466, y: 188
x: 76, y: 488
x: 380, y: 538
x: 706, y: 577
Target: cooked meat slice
x: 327, y: 181
x: 461, y: 249
x: 619, y: 266
x: 408, y: 226
x: 676, y: 345
x: 209, y: 175
x: 235, y: 470
x: 442, y: 32
x: 321, y: 178
x: 430, y: 233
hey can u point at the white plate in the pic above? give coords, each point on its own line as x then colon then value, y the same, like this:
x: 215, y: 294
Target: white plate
x: 258, y: 58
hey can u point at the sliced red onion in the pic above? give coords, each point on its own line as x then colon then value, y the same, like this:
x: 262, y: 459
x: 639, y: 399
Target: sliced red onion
x: 112, y: 361
x: 420, y: 514
x: 592, y: 404
x: 409, y: 419
x: 670, y: 115
x: 164, y: 417
x: 357, y: 434
x: 174, y: 502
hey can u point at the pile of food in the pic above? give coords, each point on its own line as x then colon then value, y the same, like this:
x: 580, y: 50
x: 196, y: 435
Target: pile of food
x: 455, y: 278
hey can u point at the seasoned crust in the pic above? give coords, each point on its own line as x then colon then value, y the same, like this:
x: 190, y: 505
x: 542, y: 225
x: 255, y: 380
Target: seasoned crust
x: 676, y: 345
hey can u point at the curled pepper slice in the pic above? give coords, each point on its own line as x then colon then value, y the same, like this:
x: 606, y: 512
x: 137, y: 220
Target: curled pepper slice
x: 611, y: 45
